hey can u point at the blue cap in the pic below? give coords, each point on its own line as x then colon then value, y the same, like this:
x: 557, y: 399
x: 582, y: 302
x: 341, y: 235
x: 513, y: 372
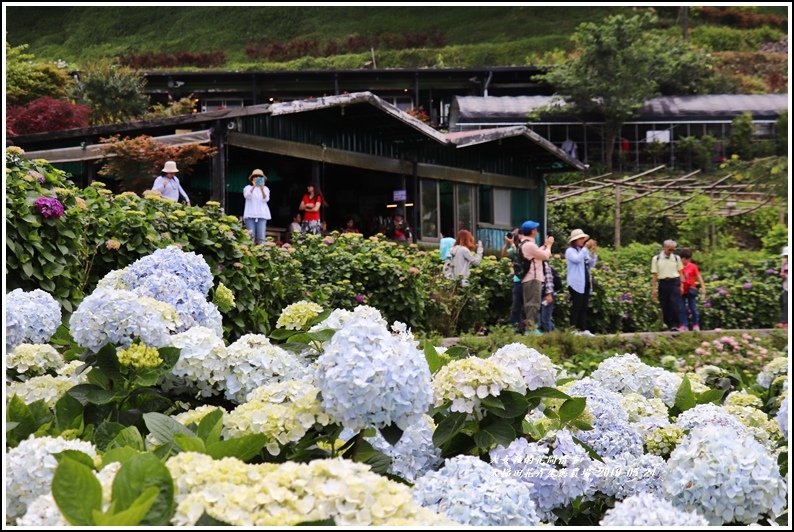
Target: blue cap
x: 528, y: 226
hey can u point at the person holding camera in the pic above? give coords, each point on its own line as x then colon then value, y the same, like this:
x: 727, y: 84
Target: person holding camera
x: 167, y: 183
x: 532, y: 280
x: 257, y: 212
x: 691, y: 285
x: 509, y: 250
x: 579, y: 262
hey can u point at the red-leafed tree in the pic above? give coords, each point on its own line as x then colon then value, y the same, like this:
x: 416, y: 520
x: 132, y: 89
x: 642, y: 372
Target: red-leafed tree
x: 45, y: 114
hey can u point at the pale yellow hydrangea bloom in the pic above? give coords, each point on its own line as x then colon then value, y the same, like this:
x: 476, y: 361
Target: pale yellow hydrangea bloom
x: 139, y: 356
x: 467, y: 381
x: 297, y: 316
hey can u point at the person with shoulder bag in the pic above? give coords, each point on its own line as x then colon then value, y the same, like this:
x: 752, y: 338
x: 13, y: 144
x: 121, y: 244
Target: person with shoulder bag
x: 691, y: 286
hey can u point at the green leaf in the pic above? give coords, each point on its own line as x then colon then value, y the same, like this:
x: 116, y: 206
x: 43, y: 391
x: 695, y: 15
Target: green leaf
x: 19, y: 412
x: 684, y: 398
x: 457, y: 352
x: 448, y: 427
x: 572, y: 408
x: 170, y: 356
x: 137, y: 475
x: 105, y: 433
x: 545, y: 391
x: 582, y: 424
x: 118, y: 454
x: 76, y: 491
x: 11, y: 425
x: 281, y: 334
x: 483, y: 440
x: 189, y: 443
x: 710, y: 396
x: 507, y: 405
x: 321, y: 317
x: 210, y: 427
x: 590, y: 451
x: 68, y: 412
x: 501, y: 432
x: 391, y: 434
x: 431, y: 355
x: 91, y: 393
x: 243, y: 448
x: 164, y: 427
x: 319, y: 522
x: 133, y: 515
x: 77, y: 456
x: 207, y: 520
x: 108, y: 362
x: 148, y: 378
x: 127, y: 437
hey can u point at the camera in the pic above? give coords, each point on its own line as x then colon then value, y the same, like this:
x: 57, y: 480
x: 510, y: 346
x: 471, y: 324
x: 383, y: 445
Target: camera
x: 260, y: 181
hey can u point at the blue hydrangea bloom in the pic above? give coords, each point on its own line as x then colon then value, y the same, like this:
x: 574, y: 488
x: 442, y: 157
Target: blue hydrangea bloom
x: 782, y: 416
x: 553, y: 469
x: 471, y: 492
x: 724, y: 476
x: 191, y: 268
x: 117, y: 317
x: 31, y: 317
x: 627, y: 474
x: 647, y: 509
x: 414, y: 455
x: 371, y: 378
x: 191, y: 306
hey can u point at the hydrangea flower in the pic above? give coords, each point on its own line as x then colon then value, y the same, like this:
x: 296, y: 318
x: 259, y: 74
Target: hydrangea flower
x: 139, y: 356
x: 45, y: 387
x: 626, y: 474
x: 282, y: 411
x: 33, y: 359
x: 31, y: 317
x: 765, y: 430
x: 204, y: 363
x: 188, y: 266
x: 709, y: 414
x: 223, y: 298
x: 195, y: 415
x: 626, y: 373
x: 553, y: 469
x: 30, y: 467
x: 663, y: 440
x: 782, y: 417
x: 467, y: 381
x: 775, y: 368
x: 297, y: 316
x: 116, y: 317
x: 114, y: 280
x: 414, y: 454
x: 253, y: 361
x: 743, y: 399
x: 339, y: 317
x: 370, y: 378
x: 612, y: 434
x: 647, y: 509
x: 536, y: 368
x: 471, y: 492
x: 638, y: 407
x: 50, y: 208
x: 290, y: 493
x: 725, y: 476
x: 191, y: 306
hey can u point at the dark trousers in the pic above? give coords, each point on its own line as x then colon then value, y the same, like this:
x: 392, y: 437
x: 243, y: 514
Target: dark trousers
x: 578, y: 309
x: 670, y: 299
x: 517, y: 308
x: 546, y: 313
x: 784, y: 307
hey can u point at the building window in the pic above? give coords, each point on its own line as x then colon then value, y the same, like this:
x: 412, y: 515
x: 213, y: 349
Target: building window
x: 446, y: 208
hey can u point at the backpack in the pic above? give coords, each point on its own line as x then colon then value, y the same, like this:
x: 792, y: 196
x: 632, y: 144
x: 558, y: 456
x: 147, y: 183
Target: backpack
x: 556, y: 279
x: 521, y: 264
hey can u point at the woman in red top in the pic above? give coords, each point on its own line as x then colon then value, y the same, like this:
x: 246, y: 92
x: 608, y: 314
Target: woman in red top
x: 690, y: 289
x: 310, y: 205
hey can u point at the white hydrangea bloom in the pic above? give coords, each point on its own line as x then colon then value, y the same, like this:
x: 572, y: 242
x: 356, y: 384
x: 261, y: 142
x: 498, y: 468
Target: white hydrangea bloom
x: 662, y: 440
x: 253, y: 361
x: 647, y: 509
x: 536, y: 369
x: 765, y: 430
x: 471, y: 492
x: 34, y: 359
x: 627, y: 373
x: 467, y: 381
x: 414, y: 455
x: 290, y: 493
x: 282, y: 411
x: 782, y: 417
x: 30, y: 467
x: 114, y: 280
x: 552, y: 469
x: 775, y: 368
x: 195, y: 415
x: 339, y: 317
x: 744, y: 399
x: 46, y: 388
x: 666, y: 387
x: 31, y: 317
x: 724, y: 476
x: 709, y: 414
x: 370, y: 378
x: 204, y: 362
x: 638, y: 407
x: 296, y: 316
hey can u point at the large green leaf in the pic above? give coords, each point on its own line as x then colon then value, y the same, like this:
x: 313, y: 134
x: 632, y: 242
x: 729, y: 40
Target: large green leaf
x: 544, y: 391
x: 210, y: 426
x: 507, y: 405
x: 91, y: 393
x: 68, y: 412
x: 448, y: 427
x: 118, y: 454
x: 106, y: 432
x: 189, y: 443
x: 135, y: 476
x: 133, y: 515
x: 684, y: 398
x: 243, y: 448
x: 572, y: 408
x: 501, y: 432
x: 76, y: 491
x: 127, y: 437
x: 164, y: 427
x: 431, y: 355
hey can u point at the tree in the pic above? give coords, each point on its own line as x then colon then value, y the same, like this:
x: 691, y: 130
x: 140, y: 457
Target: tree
x: 114, y: 93
x: 45, y: 114
x: 618, y: 65
x: 740, y: 141
x: 27, y: 80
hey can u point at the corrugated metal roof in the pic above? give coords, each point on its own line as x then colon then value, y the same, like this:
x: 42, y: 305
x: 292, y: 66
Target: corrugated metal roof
x: 514, y: 109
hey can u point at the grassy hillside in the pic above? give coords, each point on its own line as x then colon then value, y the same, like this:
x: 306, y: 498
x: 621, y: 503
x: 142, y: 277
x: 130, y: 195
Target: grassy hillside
x: 78, y: 34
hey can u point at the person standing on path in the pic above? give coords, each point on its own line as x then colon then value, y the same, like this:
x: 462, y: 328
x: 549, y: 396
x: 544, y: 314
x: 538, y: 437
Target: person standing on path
x: 667, y: 276
x: 167, y: 183
x: 532, y: 282
x: 256, y: 212
x: 579, y: 262
x: 784, y: 298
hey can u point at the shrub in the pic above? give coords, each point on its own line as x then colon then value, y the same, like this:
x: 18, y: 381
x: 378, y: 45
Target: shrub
x: 113, y: 92
x: 27, y: 80
x: 176, y: 59
x: 46, y: 114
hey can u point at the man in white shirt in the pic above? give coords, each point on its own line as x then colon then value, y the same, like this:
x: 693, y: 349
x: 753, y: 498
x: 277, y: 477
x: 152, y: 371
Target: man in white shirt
x: 168, y: 185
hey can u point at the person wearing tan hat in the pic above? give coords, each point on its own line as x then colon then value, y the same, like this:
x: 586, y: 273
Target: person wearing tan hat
x: 579, y: 263
x: 256, y: 212
x: 784, y: 298
x: 167, y: 183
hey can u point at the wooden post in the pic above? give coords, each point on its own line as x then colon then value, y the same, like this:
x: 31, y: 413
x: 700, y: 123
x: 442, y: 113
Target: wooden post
x: 617, y: 216
x: 219, y: 136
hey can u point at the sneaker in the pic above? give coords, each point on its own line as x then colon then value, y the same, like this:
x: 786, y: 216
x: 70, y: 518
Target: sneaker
x: 587, y: 333
x: 683, y: 328
x: 696, y: 327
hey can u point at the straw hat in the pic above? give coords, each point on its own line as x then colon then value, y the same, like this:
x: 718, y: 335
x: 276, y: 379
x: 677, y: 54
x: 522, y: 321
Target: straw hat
x: 169, y: 168
x: 257, y: 173
x: 576, y: 234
